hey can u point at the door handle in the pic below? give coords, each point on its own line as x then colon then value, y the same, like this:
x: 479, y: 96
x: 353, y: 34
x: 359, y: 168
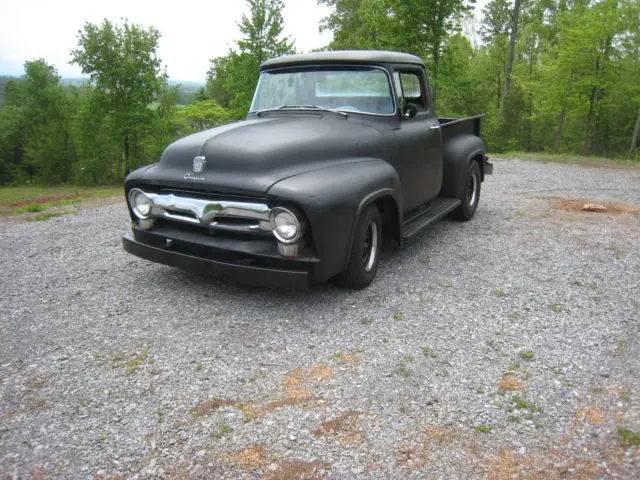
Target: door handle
x: 434, y: 127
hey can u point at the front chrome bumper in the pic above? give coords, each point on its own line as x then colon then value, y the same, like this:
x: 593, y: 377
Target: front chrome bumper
x: 230, y: 216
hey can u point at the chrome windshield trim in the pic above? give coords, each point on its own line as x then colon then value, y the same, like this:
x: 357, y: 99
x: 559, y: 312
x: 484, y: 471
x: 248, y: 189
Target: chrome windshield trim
x: 208, y: 213
x: 350, y: 65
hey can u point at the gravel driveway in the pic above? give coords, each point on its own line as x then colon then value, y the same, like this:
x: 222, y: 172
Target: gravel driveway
x: 505, y: 346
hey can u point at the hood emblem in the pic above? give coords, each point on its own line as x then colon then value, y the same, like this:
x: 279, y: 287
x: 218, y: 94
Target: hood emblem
x: 199, y: 163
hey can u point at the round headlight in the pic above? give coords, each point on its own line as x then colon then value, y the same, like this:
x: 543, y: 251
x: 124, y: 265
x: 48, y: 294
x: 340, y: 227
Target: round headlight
x: 140, y: 203
x: 286, y: 226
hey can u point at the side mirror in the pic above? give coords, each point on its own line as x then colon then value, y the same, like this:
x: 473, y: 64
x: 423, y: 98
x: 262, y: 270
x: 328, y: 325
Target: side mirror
x: 409, y: 110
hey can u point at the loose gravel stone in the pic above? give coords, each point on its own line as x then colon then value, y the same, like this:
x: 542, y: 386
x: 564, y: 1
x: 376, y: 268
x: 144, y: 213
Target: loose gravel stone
x: 111, y: 366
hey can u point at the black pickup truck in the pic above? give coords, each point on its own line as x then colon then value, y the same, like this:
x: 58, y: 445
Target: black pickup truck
x: 339, y: 151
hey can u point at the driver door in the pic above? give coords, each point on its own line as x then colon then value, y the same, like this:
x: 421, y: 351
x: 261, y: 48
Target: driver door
x: 419, y: 140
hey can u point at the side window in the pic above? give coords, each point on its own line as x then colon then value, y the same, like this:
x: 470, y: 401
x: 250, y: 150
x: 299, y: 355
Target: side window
x: 412, y: 89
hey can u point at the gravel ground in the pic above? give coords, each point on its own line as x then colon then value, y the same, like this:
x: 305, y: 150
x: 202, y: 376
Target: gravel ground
x: 503, y: 347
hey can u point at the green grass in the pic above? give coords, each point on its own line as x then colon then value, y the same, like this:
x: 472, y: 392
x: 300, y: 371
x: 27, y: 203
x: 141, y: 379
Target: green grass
x: 569, y: 159
x: 628, y: 437
x: 522, y: 404
x: 224, y: 430
x: 429, y: 352
x: 34, y: 198
x: 403, y: 368
x: 483, y: 428
x: 527, y: 355
x: 44, y: 216
x: 622, y: 346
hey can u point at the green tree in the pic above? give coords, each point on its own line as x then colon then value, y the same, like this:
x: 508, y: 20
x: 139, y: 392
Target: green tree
x: 204, y: 114
x: 127, y: 76
x: 413, y: 26
x: 233, y: 77
x: 36, y: 140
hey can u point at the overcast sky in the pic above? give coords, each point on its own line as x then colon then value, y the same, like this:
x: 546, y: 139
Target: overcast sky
x: 193, y: 31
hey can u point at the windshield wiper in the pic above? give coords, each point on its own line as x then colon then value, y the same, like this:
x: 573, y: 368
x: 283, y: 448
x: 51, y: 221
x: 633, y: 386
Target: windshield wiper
x: 303, y: 107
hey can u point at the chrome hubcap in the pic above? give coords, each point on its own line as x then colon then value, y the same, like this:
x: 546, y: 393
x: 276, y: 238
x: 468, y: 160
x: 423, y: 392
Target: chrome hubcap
x: 472, y: 191
x: 370, y: 250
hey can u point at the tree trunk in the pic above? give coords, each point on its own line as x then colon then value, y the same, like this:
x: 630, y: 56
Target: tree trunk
x: 556, y: 147
x: 512, y: 46
x: 125, y: 169
x: 589, y: 117
x: 530, y: 125
x: 634, y: 139
x: 434, y: 74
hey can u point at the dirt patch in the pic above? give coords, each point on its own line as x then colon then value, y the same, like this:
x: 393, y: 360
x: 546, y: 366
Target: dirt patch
x: 441, y: 435
x: 296, y: 470
x: 346, y: 428
x: 294, y: 385
x: 209, y: 406
x: 250, y: 458
x: 510, y: 383
x: 506, y: 465
x: 581, y: 205
x: 592, y: 415
x: 297, y: 386
x: 409, y: 456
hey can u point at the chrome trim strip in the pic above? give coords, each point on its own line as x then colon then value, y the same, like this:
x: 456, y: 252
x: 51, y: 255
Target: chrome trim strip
x: 208, y: 212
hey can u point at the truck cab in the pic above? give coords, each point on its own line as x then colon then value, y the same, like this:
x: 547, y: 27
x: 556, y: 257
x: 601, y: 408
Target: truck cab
x: 339, y: 150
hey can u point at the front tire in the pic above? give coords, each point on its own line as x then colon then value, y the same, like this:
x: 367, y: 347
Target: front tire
x: 470, y: 194
x: 365, y: 251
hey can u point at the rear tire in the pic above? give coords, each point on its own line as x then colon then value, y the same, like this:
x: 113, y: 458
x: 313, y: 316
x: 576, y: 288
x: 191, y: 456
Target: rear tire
x: 470, y: 193
x: 365, y: 251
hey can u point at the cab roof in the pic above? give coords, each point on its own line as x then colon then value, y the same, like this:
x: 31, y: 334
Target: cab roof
x: 343, y: 56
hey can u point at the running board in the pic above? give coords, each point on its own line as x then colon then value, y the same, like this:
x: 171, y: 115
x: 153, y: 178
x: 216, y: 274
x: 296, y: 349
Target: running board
x: 431, y: 212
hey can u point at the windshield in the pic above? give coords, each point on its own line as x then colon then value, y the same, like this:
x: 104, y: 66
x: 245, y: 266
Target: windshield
x: 364, y: 90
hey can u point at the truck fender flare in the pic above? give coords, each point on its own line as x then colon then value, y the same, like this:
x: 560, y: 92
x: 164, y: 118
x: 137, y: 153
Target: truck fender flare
x: 368, y: 200
x: 458, y: 152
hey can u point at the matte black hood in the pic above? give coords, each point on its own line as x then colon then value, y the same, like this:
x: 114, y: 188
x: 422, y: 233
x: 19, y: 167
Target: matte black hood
x: 251, y: 155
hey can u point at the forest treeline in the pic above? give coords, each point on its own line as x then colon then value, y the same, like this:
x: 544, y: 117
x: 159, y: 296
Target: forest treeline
x: 552, y: 75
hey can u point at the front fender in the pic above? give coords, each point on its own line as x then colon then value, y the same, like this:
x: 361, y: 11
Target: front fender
x: 332, y: 198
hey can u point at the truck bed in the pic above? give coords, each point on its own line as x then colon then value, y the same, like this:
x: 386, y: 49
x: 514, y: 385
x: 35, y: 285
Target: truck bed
x: 454, y: 126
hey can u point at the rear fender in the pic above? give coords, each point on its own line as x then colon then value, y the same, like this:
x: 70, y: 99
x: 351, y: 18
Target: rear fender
x: 457, y: 153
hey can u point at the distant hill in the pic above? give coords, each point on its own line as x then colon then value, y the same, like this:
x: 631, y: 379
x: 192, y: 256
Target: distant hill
x: 186, y: 90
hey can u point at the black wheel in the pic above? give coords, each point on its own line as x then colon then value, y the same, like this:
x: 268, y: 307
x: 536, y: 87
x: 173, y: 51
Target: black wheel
x: 365, y: 250
x: 470, y: 194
